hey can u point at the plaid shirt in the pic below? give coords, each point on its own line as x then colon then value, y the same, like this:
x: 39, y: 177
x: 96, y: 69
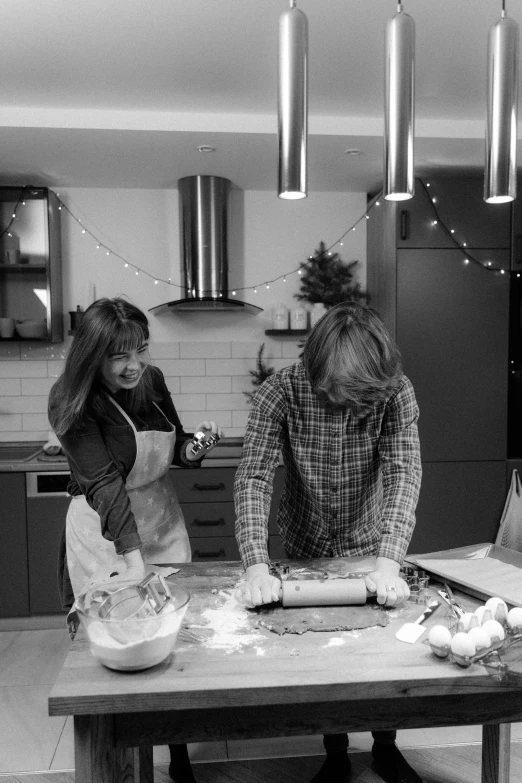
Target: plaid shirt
x: 351, y: 484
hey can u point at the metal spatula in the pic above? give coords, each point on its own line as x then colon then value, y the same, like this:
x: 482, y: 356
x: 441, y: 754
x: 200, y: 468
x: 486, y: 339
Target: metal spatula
x: 410, y: 632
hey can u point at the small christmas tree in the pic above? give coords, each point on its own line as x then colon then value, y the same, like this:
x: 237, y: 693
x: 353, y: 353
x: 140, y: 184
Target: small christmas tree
x: 326, y: 278
x: 261, y: 373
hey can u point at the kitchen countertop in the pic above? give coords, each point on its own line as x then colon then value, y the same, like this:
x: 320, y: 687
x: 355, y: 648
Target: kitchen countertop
x: 226, y: 454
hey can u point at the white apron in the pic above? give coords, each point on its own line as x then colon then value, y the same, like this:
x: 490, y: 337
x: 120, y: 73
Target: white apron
x: 155, y: 507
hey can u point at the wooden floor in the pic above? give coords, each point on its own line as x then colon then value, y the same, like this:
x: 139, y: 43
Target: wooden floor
x: 449, y: 764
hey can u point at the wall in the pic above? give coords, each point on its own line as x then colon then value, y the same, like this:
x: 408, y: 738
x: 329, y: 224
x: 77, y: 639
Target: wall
x: 206, y: 357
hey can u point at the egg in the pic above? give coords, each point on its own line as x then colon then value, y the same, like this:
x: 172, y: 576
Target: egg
x: 498, y: 608
x: 462, y: 646
x: 480, y: 636
x: 514, y: 618
x: 465, y: 620
x: 483, y: 614
x: 439, y: 638
x: 494, y: 629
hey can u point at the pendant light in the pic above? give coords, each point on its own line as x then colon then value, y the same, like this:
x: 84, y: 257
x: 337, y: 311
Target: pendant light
x: 500, y: 175
x: 399, y: 98
x: 293, y: 104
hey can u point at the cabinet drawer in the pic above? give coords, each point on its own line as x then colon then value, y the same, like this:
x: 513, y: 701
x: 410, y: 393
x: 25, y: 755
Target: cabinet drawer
x: 209, y: 519
x: 218, y: 548
x: 206, y: 485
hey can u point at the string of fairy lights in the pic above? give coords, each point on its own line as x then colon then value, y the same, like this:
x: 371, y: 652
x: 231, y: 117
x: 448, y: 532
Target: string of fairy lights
x: 437, y: 222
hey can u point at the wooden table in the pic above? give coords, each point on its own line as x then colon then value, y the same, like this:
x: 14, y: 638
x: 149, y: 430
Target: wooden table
x: 233, y: 680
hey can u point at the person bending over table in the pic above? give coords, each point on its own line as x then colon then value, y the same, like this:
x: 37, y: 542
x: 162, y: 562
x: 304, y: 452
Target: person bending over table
x: 114, y: 417
x: 345, y: 419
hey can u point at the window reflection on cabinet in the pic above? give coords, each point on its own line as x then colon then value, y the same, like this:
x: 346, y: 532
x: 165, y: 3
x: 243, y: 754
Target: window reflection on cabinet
x: 30, y: 264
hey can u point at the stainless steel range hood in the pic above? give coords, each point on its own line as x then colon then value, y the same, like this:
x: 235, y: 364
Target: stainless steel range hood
x: 204, y: 242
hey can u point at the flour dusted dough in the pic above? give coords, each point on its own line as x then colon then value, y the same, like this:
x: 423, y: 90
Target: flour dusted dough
x: 321, y: 618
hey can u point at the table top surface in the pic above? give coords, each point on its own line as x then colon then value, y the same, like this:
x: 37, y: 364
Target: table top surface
x: 223, y: 658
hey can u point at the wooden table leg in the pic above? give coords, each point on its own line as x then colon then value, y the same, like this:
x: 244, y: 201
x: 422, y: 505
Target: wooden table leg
x: 496, y: 740
x: 98, y: 760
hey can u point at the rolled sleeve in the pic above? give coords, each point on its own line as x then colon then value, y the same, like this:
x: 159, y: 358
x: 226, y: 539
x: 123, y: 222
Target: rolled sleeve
x: 399, y: 453
x: 254, y: 479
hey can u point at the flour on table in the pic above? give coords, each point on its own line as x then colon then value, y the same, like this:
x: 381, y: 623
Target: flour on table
x: 230, y: 625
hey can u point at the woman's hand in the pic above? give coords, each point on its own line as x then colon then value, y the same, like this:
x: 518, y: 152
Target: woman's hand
x: 386, y: 583
x: 136, y: 568
x: 260, y: 587
x: 210, y: 427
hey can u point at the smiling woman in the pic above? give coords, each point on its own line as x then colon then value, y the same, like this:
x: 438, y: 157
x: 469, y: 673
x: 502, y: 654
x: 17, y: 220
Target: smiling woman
x: 118, y: 427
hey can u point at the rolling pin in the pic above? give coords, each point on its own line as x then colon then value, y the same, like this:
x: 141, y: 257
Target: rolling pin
x: 311, y: 592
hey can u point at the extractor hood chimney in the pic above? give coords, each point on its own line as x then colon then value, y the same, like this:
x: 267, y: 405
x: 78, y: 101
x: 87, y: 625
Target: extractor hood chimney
x: 204, y: 207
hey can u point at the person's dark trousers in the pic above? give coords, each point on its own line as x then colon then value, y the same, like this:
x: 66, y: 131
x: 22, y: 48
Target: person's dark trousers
x: 180, y: 768
x: 388, y: 762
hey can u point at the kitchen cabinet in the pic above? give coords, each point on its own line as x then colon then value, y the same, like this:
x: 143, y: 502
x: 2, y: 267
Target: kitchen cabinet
x: 30, y: 259
x: 14, y: 601
x: 451, y: 323
x: 206, y: 496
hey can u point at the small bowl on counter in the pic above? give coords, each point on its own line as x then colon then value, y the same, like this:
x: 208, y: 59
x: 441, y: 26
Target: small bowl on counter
x: 30, y: 329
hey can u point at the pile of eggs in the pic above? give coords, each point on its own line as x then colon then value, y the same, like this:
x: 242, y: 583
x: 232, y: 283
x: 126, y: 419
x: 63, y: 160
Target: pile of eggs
x: 476, y: 631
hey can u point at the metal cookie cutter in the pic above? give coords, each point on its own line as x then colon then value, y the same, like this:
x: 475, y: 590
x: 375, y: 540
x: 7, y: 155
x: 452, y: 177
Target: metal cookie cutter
x: 145, y: 599
x: 203, y: 442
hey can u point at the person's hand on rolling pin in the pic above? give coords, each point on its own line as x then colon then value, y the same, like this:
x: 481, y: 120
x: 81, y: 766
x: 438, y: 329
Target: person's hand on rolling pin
x: 260, y: 587
x: 386, y: 583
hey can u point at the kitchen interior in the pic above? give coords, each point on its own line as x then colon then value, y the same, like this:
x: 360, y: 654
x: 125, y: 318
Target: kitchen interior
x: 112, y: 117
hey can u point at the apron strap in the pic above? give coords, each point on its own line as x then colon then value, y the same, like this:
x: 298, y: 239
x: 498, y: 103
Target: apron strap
x: 129, y: 418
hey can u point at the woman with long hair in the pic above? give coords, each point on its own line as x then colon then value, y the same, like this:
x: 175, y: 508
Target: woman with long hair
x: 114, y: 417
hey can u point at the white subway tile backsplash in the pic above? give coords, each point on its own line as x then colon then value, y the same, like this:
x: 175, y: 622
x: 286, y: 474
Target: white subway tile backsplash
x: 226, y: 402
x: 206, y: 380
x: 189, y: 402
x: 250, y: 350
x: 239, y: 419
x: 208, y: 384
x: 10, y: 387
x: 228, y: 366
x: 182, y: 367
x: 54, y: 369
x: 10, y: 423
x: 173, y: 384
x: 190, y: 419
x: 241, y: 383
x: 164, y: 350
x: 35, y: 421
x: 10, y: 369
x: 204, y: 350
x: 36, y: 386
x: 23, y: 404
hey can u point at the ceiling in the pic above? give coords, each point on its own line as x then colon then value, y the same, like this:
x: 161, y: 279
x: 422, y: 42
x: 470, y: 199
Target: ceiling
x: 120, y: 93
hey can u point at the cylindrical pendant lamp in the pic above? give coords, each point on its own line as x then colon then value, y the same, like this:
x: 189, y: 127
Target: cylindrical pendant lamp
x: 293, y: 104
x: 399, y: 103
x: 500, y: 175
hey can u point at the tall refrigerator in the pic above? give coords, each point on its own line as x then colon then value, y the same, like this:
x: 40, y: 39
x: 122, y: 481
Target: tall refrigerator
x: 449, y: 312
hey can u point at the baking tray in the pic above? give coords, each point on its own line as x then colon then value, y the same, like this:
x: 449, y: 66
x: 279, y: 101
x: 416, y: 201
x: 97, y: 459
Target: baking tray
x: 481, y: 570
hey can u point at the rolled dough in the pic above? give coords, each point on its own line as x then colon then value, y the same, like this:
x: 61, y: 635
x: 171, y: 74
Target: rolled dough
x: 319, y: 618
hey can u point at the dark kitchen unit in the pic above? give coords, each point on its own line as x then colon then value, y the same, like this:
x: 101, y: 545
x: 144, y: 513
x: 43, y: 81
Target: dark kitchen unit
x: 47, y: 504
x: 451, y: 319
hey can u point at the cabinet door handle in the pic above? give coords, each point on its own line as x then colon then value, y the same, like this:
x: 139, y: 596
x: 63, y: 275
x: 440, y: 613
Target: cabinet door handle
x: 208, y: 522
x: 405, y: 224
x: 209, y: 487
x: 199, y: 554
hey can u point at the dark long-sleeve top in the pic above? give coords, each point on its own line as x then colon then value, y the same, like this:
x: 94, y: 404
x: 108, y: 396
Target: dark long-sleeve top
x: 101, y: 451
x: 351, y: 484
